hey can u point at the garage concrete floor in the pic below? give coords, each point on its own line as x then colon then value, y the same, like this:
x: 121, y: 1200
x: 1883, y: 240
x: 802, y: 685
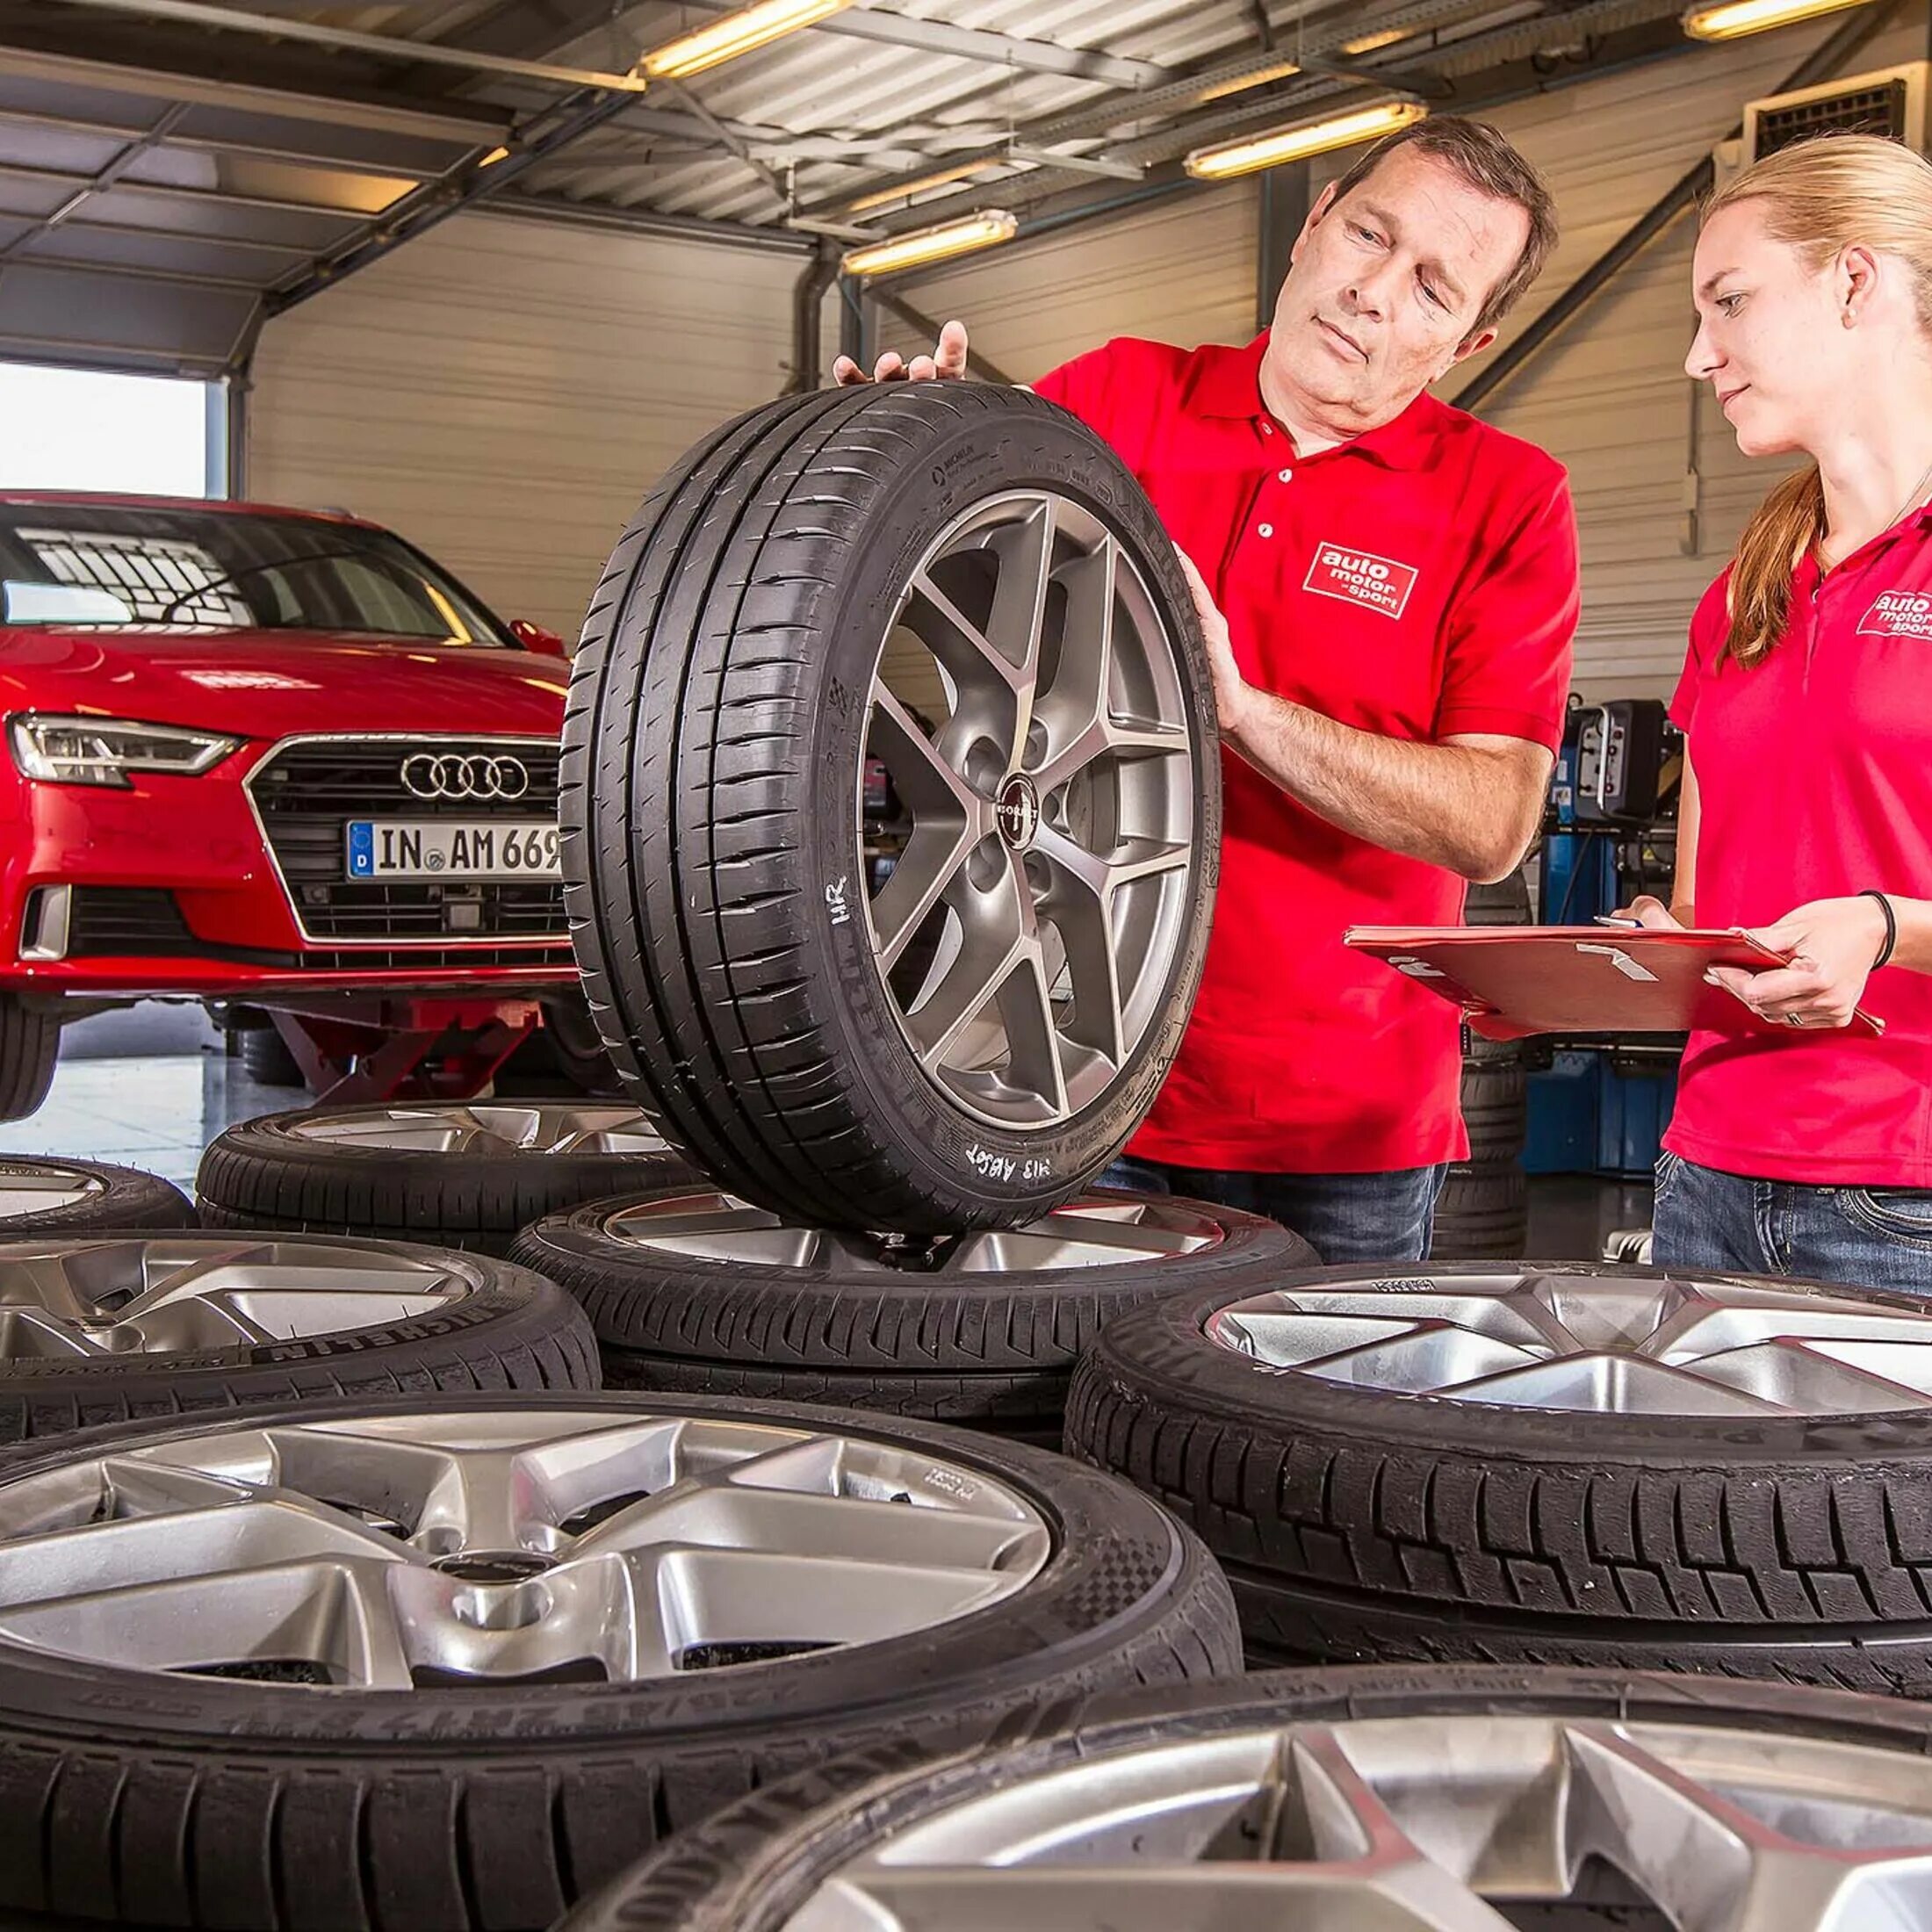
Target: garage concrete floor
x: 159, y: 1106
x: 157, y: 1112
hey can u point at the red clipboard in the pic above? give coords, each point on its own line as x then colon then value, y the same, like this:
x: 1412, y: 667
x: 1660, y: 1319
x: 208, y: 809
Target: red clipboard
x: 1513, y: 981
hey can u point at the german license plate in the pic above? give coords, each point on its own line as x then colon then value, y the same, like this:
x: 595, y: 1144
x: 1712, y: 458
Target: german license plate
x: 452, y: 848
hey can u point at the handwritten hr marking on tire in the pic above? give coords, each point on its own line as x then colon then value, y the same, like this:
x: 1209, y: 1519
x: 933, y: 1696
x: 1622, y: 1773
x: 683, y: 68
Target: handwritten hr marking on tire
x: 836, y: 898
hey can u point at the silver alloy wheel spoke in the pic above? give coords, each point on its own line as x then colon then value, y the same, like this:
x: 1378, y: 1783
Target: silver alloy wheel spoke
x: 116, y: 1295
x: 1095, y: 1230
x: 38, y: 1187
x: 1423, y: 1824
x: 483, y: 1127
x: 1029, y: 708
x: 394, y: 1552
x: 1549, y: 1338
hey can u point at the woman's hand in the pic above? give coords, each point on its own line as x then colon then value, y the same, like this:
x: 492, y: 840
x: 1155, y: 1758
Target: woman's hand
x: 1232, y: 692
x: 1833, y: 943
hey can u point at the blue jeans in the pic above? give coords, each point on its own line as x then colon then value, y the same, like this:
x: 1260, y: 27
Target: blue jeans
x: 1865, y: 1237
x: 1344, y: 1217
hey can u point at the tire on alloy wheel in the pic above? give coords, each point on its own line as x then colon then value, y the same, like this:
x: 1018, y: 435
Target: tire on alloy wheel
x: 457, y: 1173
x: 1555, y: 1463
x: 50, y: 1195
x: 551, y: 1633
x: 1562, y: 1801
x: 693, y: 1289
x: 892, y: 806
x: 105, y: 1329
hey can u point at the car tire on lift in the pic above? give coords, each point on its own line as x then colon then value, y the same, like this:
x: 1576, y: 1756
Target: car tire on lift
x: 50, y: 1195
x: 724, y: 701
x: 1720, y: 1503
x: 469, y: 1799
x: 459, y: 1174
x: 977, y: 1330
x: 30, y: 1049
x: 266, y: 1059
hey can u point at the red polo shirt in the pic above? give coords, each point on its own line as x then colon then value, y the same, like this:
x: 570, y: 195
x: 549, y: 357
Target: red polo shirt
x: 1416, y: 582
x: 1814, y: 776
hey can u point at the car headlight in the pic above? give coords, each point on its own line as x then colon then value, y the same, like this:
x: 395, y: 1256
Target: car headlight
x: 103, y: 751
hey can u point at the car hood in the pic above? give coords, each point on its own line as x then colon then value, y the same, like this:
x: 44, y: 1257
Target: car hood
x: 270, y: 683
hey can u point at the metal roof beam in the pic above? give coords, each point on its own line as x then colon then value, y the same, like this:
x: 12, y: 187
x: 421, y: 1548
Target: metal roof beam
x: 225, y: 197
x: 447, y: 121
x: 472, y: 181
x: 383, y: 46
x: 995, y: 49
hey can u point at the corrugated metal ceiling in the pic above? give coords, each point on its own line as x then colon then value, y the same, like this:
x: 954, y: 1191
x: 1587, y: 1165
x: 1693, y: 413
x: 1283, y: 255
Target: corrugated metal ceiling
x: 170, y: 171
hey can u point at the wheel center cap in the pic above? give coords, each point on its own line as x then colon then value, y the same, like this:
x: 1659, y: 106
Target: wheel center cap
x: 494, y: 1566
x: 1018, y: 811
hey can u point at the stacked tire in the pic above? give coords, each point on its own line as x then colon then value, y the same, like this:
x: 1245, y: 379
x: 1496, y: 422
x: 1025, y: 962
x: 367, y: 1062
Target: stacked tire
x: 1484, y: 1207
x: 693, y: 1290
x: 466, y: 1174
x: 1526, y: 1463
x: 1564, y: 1801
x: 451, y: 1664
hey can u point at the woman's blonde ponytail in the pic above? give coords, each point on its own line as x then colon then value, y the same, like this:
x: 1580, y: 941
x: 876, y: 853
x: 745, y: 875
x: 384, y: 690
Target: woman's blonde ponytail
x: 1782, y: 528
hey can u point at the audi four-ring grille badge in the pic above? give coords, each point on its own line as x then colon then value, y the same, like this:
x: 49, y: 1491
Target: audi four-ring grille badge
x: 309, y: 790
x: 449, y: 774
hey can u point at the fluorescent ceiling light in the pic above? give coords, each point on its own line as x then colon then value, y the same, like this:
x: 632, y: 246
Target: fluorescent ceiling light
x: 1260, y: 77
x: 906, y: 251
x: 1370, y: 43
x: 884, y: 197
x: 1243, y: 157
x: 1733, y: 21
x: 735, y: 34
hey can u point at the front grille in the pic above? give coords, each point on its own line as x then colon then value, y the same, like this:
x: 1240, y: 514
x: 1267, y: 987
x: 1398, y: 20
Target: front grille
x: 146, y: 922
x: 308, y: 793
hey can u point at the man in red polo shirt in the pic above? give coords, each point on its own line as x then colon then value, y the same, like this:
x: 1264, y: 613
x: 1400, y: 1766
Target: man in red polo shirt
x: 1388, y: 590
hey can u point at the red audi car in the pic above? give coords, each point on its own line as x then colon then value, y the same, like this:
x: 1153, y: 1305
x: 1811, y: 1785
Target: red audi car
x: 257, y: 755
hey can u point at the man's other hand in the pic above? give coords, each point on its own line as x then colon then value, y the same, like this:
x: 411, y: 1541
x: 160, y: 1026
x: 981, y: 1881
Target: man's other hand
x: 1233, y: 693
x: 946, y: 363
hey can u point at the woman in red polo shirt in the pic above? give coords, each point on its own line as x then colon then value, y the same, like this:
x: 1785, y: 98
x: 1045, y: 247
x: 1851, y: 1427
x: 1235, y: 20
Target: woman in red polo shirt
x: 1806, y: 700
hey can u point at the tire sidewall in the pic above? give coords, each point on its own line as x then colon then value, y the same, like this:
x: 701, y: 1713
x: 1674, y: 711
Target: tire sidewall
x: 959, y: 465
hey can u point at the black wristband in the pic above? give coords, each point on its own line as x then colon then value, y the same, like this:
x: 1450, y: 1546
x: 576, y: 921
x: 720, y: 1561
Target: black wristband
x: 1891, y: 927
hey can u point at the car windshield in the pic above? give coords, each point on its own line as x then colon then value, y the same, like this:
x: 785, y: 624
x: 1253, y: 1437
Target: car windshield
x: 101, y: 565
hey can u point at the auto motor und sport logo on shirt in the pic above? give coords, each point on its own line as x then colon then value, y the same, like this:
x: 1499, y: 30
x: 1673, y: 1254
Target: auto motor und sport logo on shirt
x: 1360, y: 577
x: 1899, y: 614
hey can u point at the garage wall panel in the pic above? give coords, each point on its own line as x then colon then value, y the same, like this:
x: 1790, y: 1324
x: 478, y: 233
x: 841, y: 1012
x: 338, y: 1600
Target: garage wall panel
x: 505, y: 393
x: 1181, y: 271
x: 1658, y: 514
